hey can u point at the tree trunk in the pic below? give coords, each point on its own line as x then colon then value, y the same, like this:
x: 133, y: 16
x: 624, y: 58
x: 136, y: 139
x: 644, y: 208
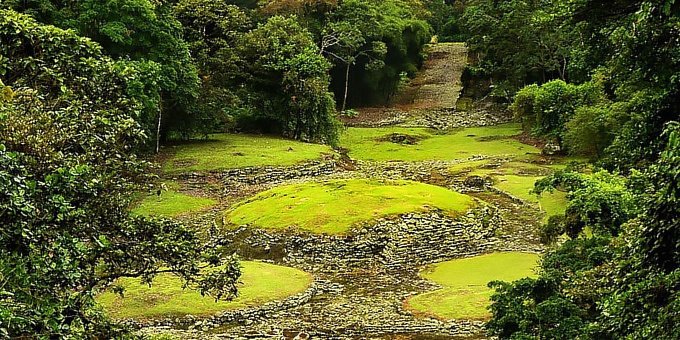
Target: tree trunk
x: 158, y: 127
x: 344, y: 98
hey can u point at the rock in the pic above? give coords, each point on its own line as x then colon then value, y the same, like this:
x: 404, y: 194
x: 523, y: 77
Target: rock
x: 475, y: 182
x: 551, y: 149
x: 399, y: 138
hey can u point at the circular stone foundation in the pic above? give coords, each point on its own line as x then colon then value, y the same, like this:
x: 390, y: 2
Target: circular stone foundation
x: 336, y: 206
x: 261, y: 283
x: 464, y: 293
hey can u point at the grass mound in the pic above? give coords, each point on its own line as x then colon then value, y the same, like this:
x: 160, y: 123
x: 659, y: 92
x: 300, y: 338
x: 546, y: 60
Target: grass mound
x: 262, y: 283
x: 334, y: 207
x: 227, y: 151
x: 370, y: 143
x: 171, y: 203
x: 465, y: 294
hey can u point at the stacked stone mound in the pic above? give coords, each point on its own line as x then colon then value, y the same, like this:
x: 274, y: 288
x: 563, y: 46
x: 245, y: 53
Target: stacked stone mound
x: 407, y: 241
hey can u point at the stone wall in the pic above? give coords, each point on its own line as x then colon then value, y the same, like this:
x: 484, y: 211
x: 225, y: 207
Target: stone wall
x: 410, y: 240
x: 268, y: 174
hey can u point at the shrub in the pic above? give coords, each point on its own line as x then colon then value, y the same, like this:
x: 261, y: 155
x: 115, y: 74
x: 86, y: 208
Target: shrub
x: 545, y: 110
x: 592, y: 129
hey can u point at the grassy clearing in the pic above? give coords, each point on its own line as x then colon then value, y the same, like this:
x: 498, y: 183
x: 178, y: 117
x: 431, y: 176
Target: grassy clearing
x: 226, y: 151
x: 334, y: 207
x: 262, y: 283
x: 370, y: 143
x: 465, y: 294
x: 171, y: 203
x: 520, y: 186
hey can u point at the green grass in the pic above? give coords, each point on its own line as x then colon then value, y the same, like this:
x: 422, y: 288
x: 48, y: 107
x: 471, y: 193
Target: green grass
x: 491, y: 167
x: 262, y: 283
x: 465, y: 294
x: 171, y: 203
x: 369, y: 143
x: 552, y: 203
x: 334, y: 207
x: 226, y: 151
x: 469, y: 166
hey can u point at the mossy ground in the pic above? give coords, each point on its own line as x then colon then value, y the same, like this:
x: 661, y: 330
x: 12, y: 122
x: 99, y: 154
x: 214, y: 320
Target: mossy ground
x: 517, y: 178
x: 553, y: 203
x: 333, y: 207
x: 465, y: 294
x: 227, y: 151
x: 261, y: 283
x: 370, y: 143
x: 171, y: 203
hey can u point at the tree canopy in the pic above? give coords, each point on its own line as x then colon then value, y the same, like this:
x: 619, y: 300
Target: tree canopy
x: 601, y: 80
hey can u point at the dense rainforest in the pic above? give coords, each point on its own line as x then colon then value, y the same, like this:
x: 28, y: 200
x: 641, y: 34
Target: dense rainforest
x: 600, y: 79
x: 90, y: 89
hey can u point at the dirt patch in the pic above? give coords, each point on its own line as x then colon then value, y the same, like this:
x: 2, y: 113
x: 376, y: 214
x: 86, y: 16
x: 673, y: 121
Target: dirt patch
x: 400, y: 138
x: 526, y: 138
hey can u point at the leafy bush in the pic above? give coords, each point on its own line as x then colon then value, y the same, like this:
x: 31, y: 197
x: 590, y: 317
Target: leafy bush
x: 601, y: 201
x: 288, y: 87
x: 545, y: 110
x: 592, y: 129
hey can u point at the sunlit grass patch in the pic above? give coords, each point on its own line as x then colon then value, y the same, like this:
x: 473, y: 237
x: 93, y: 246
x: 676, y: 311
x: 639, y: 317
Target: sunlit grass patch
x: 371, y: 144
x: 261, y: 283
x: 333, y: 207
x: 465, y: 294
x: 171, y: 203
x: 469, y: 166
x: 553, y: 203
x: 226, y: 151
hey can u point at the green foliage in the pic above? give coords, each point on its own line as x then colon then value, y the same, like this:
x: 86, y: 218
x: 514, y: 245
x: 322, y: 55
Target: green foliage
x: 63, y: 195
x: 601, y: 201
x: 627, y: 47
x: 627, y: 286
x: 391, y: 35
x: 143, y: 31
x: 290, y: 81
x: 445, y: 17
x: 63, y: 67
x: 212, y: 30
x: 592, y: 129
x: 6, y: 93
x: 520, y: 42
x: 546, y: 109
x: 322, y: 207
x: 552, y: 229
x: 67, y: 168
x: 549, y: 306
x: 644, y: 297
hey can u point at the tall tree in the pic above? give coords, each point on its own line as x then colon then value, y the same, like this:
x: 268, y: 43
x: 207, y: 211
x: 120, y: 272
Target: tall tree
x: 290, y: 79
x: 68, y: 135
x: 138, y: 30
